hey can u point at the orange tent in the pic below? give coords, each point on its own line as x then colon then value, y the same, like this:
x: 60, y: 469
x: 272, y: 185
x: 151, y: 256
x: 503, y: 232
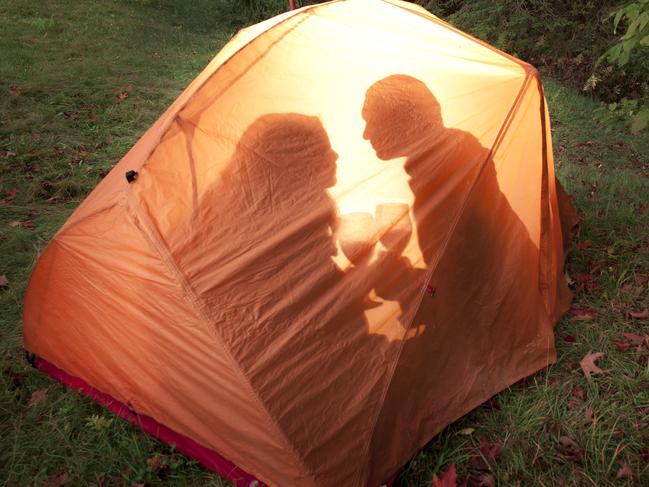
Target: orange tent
x: 342, y: 236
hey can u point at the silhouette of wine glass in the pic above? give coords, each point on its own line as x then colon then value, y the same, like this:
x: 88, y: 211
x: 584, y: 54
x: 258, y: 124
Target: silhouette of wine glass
x: 357, y: 237
x: 394, y: 226
x: 356, y: 234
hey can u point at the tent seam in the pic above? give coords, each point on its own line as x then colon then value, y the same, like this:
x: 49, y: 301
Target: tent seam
x: 154, y: 239
x: 151, y: 236
x: 545, y: 261
x: 512, y: 111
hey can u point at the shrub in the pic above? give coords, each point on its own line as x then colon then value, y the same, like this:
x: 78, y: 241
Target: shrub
x: 563, y: 39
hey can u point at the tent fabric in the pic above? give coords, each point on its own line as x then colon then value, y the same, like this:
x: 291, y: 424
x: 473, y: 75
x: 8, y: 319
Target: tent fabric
x: 345, y: 234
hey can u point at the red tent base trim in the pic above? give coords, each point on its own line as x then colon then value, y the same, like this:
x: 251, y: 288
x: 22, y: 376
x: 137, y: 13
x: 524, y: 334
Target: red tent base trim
x: 208, y: 458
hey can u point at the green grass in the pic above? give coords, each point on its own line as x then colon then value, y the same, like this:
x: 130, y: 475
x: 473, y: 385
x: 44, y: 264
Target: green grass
x: 67, y: 128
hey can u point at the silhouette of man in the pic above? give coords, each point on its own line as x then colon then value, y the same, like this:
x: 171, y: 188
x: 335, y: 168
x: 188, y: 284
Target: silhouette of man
x: 486, y: 325
x: 403, y: 118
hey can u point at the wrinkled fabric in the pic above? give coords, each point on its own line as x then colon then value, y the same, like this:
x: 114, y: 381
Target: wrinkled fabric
x: 343, y: 235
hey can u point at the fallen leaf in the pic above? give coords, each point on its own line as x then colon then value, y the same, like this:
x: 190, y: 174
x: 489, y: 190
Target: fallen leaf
x: 14, y: 91
x: 644, y: 453
x: 466, y: 431
x: 570, y: 339
x: 10, y: 194
x: 584, y: 244
x: 552, y: 428
x: 639, y: 315
x: 573, y: 403
x: 589, y: 416
x: 4, y: 282
x: 588, y: 364
x: 485, y: 456
x: 569, y: 448
x: 36, y: 398
x: 587, y: 281
x: 636, y: 340
x: 625, y: 472
x: 595, y: 265
x: 155, y: 462
x: 588, y: 143
x: 69, y: 115
x: 622, y: 345
x: 122, y: 95
x: 98, y: 423
x: 448, y: 479
x: 57, y: 480
x: 578, y: 392
x: 483, y: 479
x: 25, y: 224
x: 582, y: 314
x: 7, y: 153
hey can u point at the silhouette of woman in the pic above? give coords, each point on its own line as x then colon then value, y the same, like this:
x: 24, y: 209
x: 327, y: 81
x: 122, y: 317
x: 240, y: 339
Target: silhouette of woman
x: 293, y: 321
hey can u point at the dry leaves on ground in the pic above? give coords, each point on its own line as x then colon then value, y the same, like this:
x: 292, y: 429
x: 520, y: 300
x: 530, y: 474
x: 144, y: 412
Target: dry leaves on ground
x: 36, y: 398
x: 588, y: 364
x: 448, y: 479
x: 57, y: 480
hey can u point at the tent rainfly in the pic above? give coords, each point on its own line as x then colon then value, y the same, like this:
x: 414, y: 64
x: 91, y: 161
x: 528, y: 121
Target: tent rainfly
x: 345, y: 234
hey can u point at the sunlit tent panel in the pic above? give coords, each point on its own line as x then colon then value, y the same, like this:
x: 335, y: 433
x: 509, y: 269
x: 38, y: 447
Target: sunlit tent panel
x: 341, y: 237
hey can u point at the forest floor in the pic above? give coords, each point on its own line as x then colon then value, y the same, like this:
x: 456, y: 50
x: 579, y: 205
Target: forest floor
x: 79, y: 84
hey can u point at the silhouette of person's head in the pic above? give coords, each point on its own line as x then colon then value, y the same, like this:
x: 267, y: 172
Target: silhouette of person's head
x: 401, y: 116
x: 282, y: 150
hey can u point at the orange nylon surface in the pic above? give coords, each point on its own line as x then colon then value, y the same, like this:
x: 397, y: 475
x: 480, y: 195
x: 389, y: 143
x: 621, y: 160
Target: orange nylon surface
x: 344, y: 235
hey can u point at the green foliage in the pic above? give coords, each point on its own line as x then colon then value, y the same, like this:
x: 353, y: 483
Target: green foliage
x: 241, y: 13
x: 561, y: 38
x: 636, y: 38
x: 566, y: 40
x: 637, y: 34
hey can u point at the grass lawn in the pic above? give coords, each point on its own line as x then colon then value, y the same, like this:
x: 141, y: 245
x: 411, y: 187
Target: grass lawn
x: 81, y: 81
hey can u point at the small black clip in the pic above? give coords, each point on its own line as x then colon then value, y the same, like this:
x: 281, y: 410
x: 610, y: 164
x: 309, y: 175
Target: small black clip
x: 131, y: 176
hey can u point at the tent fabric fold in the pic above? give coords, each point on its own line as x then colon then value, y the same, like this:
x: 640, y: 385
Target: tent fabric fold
x: 345, y: 234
